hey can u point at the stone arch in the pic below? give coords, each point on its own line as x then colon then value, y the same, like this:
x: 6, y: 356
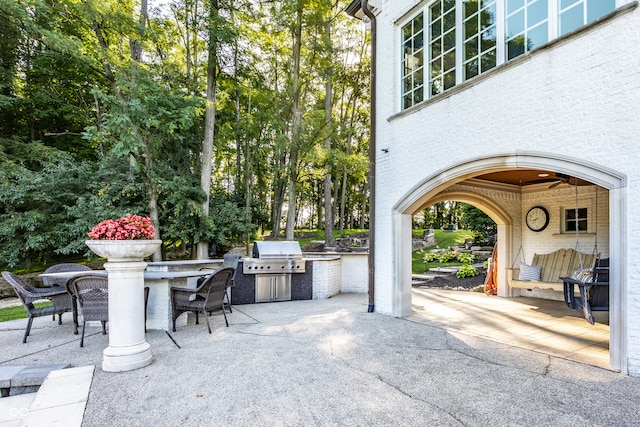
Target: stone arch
x: 430, y: 188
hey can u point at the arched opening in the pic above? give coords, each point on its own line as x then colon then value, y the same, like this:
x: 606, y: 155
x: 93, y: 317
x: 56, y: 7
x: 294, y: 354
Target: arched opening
x: 448, y: 184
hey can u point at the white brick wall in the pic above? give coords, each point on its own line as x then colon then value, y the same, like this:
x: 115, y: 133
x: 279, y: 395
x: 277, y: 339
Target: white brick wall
x: 577, y: 99
x: 326, y: 278
x: 355, y: 272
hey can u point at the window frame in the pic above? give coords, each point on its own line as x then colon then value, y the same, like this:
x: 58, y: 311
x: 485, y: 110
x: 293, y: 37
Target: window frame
x: 566, y: 220
x: 552, y: 22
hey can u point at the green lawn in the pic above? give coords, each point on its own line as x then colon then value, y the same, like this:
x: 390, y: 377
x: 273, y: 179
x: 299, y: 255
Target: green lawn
x: 444, y: 240
x: 18, y: 312
x: 305, y: 236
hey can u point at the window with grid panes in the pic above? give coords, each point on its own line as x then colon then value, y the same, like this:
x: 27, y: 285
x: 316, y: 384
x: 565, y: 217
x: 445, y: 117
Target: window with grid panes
x: 573, y: 14
x: 455, y: 40
x: 413, y: 62
x: 575, y: 219
x: 479, y: 36
x: 526, y: 26
x: 442, y: 56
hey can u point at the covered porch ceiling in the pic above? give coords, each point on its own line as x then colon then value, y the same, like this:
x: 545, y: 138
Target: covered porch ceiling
x: 526, y: 177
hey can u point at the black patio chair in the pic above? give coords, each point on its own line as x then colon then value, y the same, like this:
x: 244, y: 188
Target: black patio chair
x: 230, y: 260
x: 60, y: 298
x: 50, y: 282
x: 92, y: 294
x: 207, y: 297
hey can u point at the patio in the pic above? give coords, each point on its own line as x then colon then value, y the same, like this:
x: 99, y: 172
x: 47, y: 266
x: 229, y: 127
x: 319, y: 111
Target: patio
x: 329, y: 362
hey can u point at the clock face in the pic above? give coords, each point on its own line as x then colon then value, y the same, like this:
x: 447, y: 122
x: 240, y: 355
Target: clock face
x: 537, y: 218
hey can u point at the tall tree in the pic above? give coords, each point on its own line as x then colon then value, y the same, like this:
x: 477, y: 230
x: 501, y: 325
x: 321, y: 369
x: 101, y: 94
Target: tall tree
x: 328, y: 107
x: 210, y: 117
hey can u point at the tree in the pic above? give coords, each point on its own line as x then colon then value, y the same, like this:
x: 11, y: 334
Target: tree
x: 207, y: 143
x: 477, y: 221
x: 125, y: 96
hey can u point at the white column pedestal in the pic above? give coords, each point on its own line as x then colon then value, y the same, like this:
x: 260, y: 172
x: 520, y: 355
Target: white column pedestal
x: 128, y: 349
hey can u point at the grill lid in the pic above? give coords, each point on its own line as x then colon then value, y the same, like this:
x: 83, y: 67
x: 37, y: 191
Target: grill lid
x: 277, y: 250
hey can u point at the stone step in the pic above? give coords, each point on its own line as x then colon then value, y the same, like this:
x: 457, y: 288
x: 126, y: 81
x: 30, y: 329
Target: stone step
x: 22, y: 379
x: 60, y: 400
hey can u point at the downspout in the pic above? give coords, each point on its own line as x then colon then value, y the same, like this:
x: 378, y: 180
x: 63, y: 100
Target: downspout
x: 364, y: 4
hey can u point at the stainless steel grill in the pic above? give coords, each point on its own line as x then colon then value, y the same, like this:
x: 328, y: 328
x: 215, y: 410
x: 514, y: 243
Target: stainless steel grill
x: 272, y: 264
x: 275, y: 257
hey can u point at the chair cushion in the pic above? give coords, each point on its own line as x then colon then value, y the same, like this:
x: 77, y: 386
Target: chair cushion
x: 529, y: 272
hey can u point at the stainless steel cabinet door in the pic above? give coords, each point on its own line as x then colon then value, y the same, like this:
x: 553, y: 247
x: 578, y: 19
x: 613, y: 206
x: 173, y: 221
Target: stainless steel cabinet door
x: 273, y: 287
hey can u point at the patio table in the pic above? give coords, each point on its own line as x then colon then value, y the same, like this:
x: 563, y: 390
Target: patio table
x: 159, y: 283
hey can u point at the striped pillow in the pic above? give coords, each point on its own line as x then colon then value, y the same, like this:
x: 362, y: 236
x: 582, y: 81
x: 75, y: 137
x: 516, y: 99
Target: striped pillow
x: 529, y: 272
x: 584, y: 275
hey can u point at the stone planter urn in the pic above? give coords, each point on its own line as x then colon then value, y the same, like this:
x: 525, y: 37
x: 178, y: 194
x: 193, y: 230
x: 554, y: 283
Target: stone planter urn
x: 128, y: 349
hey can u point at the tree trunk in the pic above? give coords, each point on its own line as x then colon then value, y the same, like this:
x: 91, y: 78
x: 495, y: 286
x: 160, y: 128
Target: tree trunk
x: 295, y: 127
x: 328, y: 107
x: 210, y: 116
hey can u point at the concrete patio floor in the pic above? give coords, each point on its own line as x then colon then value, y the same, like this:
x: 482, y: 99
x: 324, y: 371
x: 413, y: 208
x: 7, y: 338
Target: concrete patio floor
x: 328, y: 363
x: 546, y: 326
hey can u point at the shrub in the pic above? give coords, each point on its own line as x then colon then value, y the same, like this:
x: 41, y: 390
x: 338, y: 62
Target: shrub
x: 446, y: 257
x: 466, y: 270
x: 430, y: 257
x: 466, y: 258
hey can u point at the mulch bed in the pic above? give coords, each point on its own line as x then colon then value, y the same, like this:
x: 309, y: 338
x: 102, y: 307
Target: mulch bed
x: 453, y: 282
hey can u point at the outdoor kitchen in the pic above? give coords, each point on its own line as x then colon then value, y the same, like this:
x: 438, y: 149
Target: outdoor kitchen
x: 279, y: 271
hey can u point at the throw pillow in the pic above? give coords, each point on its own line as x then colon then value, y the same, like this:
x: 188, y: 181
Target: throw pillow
x: 584, y: 275
x: 529, y: 272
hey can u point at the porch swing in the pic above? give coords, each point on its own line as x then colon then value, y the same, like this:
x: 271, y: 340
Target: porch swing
x: 592, y: 283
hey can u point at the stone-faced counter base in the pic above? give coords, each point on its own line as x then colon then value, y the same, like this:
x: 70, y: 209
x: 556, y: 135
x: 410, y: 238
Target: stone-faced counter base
x: 244, y: 291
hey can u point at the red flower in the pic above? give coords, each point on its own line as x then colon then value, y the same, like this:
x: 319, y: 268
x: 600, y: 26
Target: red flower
x: 129, y: 227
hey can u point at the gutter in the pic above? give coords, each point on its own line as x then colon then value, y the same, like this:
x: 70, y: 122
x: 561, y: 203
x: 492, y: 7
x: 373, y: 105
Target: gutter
x: 364, y: 5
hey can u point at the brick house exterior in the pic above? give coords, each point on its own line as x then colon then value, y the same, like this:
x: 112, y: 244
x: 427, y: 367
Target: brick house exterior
x: 570, y: 105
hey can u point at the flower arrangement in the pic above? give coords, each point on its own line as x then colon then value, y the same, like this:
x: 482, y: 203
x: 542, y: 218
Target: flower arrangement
x: 129, y: 227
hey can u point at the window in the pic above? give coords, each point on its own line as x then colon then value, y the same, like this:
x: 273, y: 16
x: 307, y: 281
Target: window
x: 442, y: 58
x: 575, y: 219
x: 450, y: 41
x: 527, y: 26
x: 413, y: 62
x: 575, y: 13
x: 479, y: 37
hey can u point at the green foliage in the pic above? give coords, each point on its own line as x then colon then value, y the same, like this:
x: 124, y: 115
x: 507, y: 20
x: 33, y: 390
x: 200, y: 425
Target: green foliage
x: 88, y: 133
x: 431, y: 257
x: 231, y: 222
x: 466, y: 258
x: 466, y: 270
x: 34, y: 200
x: 445, y: 257
x: 477, y: 221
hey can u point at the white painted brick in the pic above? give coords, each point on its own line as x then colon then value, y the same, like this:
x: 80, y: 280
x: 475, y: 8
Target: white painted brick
x: 326, y: 278
x: 579, y: 99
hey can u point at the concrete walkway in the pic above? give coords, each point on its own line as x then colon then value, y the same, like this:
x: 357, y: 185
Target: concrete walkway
x: 329, y: 362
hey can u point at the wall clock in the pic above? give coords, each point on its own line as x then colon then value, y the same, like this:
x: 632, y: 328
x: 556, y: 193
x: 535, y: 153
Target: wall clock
x: 537, y: 218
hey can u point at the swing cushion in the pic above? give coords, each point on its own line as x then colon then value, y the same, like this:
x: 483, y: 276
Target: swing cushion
x: 529, y: 272
x: 583, y: 275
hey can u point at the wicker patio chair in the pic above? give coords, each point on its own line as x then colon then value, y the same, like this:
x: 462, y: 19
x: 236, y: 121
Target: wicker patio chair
x: 60, y: 298
x: 207, y: 297
x: 55, y: 281
x: 62, y: 268
x: 230, y: 260
x: 92, y: 293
